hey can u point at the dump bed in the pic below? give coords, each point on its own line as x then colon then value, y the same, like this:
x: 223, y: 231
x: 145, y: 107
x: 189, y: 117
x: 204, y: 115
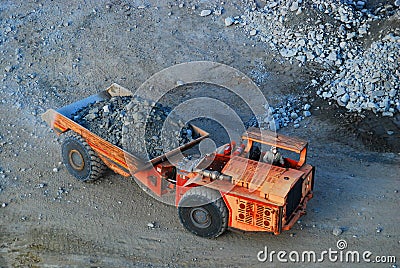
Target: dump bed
x: 121, y: 161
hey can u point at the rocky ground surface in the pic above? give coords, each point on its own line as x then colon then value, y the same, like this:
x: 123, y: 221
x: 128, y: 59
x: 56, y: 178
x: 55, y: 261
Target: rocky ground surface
x: 328, y: 69
x: 361, y: 65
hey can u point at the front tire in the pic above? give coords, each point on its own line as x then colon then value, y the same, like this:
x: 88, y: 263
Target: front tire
x: 81, y: 160
x: 203, y: 212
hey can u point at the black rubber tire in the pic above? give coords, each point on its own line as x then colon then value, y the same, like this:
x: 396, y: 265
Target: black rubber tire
x: 81, y: 160
x: 212, y: 215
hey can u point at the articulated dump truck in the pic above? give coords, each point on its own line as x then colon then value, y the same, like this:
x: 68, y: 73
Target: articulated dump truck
x: 230, y: 188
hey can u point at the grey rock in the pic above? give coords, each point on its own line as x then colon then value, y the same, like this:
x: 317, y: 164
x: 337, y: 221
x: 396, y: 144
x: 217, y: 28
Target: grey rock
x: 377, y: 93
x: 351, y: 35
x: 343, y: 45
x: 344, y: 18
x: 41, y: 185
x: 387, y: 85
x: 341, y: 103
x: 340, y: 90
x: 332, y: 56
x: 360, y: 4
x: 288, y: 52
x: 326, y: 95
x: 318, y: 51
x: 345, y: 98
x: 302, y: 58
x: 253, y: 32
x: 306, y: 113
x: 386, y: 104
x: 319, y: 37
x: 306, y: 107
x: 294, y: 6
x: 296, y: 125
x: 388, y: 114
x: 294, y: 115
x: 218, y: 11
x: 301, y: 42
x: 392, y: 93
x: 90, y: 116
x: 337, y: 231
x: 371, y: 105
x: 310, y: 55
x: 362, y: 30
x: 352, y: 106
x: 229, y: 21
x: 272, y: 4
x: 205, y: 12
x: 106, y: 109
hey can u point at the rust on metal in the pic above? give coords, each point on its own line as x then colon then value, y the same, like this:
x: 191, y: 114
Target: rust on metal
x: 274, y: 139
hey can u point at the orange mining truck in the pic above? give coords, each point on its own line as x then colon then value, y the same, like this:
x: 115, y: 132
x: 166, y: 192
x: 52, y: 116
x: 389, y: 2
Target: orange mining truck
x: 229, y: 188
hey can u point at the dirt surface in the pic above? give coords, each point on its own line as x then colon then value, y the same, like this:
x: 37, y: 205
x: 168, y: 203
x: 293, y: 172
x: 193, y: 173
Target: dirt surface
x: 54, y: 53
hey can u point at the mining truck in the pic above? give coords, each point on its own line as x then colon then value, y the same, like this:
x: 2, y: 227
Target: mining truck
x: 231, y: 188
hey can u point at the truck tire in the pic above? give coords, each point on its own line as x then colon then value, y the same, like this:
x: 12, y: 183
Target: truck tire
x: 203, y: 212
x: 81, y: 160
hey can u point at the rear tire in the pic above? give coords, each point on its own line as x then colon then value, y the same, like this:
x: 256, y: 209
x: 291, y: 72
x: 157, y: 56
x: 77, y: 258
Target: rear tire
x: 203, y: 212
x: 81, y: 160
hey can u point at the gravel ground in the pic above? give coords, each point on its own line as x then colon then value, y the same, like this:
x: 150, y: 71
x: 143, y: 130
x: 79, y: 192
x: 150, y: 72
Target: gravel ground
x: 55, y: 53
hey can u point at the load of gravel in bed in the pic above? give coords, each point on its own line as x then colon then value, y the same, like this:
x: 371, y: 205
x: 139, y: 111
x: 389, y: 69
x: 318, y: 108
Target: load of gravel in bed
x: 141, y: 127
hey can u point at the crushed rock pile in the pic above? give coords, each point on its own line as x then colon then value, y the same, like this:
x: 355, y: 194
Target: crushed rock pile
x: 123, y: 122
x: 357, y: 78
x: 370, y: 81
x: 329, y: 36
x: 291, y: 111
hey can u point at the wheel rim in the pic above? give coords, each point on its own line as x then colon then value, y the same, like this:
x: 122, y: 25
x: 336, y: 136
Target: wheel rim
x: 76, y: 160
x: 200, y: 217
